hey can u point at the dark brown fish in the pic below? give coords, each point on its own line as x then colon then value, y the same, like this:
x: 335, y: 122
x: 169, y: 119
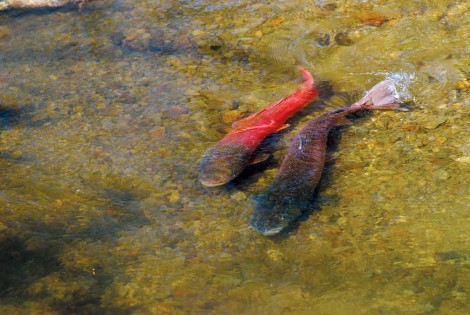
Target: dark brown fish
x: 291, y: 191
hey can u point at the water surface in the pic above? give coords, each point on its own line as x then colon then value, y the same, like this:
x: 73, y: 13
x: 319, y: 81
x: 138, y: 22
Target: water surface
x: 106, y: 113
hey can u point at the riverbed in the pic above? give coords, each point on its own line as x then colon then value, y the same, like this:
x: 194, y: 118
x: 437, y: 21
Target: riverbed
x: 106, y: 112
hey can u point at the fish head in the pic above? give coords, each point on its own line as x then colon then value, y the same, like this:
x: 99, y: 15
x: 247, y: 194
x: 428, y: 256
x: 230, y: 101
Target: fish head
x: 271, y: 214
x: 276, y: 209
x: 268, y: 222
x: 222, y: 163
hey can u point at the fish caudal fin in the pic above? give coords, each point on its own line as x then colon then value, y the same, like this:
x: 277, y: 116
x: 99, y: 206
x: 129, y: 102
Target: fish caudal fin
x: 309, y: 81
x: 382, y: 96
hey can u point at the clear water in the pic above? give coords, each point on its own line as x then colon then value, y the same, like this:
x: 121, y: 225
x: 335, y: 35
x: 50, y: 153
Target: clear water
x: 106, y: 113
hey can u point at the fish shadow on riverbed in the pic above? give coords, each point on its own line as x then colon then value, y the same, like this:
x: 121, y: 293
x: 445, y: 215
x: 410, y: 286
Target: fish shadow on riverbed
x: 25, y: 12
x: 14, y: 116
x: 10, y: 116
x: 31, y: 268
x: 33, y: 251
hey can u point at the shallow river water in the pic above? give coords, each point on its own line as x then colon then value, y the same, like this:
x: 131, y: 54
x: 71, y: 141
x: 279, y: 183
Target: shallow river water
x: 105, y: 114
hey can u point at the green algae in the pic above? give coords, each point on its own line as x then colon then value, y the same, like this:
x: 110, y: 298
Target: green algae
x: 106, y: 114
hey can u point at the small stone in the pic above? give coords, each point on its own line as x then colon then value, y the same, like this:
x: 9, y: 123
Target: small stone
x: 433, y: 124
x: 157, y: 132
x: 441, y: 175
x: 238, y: 196
x: 4, y: 31
x: 274, y: 254
x: 137, y: 40
x: 342, y: 221
x: 174, y: 197
x: 277, y: 20
x: 176, y: 111
x: 411, y: 126
x: 191, y: 92
x: 463, y: 159
x: 230, y: 54
x: 198, y: 32
x: 461, y: 85
x: 443, y: 154
x: 231, y: 116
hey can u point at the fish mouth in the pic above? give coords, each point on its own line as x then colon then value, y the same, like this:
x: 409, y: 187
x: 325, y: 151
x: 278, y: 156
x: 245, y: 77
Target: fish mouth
x: 213, y: 182
x: 266, y: 231
x: 273, y: 231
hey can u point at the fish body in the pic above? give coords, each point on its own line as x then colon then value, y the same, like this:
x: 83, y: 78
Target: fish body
x: 228, y: 157
x: 292, y: 189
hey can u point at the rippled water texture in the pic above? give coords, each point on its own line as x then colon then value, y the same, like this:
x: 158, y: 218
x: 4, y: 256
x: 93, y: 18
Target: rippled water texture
x: 106, y: 113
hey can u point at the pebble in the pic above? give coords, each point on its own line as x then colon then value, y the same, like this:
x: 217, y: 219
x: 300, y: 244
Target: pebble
x: 433, y: 124
x: 198, y: 33
x: 441, y: 174
x: 274, y: 254
x: 461, y: 85
x: 174, y: 197
x: 4, y: 31
x: 231, y: 116
x: 138, y: 39
x: 463, y: 159
x: 277, y: 20
x: 238, y: 196
x: 176, y: 111
x: 411, y: 126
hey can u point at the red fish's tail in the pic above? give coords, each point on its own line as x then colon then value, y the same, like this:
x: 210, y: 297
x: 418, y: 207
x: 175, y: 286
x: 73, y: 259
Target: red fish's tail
x: 309, y: 81
x: 382, y: 96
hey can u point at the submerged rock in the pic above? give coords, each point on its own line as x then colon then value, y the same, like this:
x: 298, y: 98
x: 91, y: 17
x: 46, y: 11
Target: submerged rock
x: 37, y: 4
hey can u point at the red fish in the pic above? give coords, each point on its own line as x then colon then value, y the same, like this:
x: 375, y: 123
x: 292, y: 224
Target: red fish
x: 228, y: 157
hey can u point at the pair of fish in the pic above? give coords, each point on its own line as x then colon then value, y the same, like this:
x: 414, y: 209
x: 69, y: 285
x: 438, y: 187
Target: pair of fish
x: 292, y: 189
x: 228, y: 157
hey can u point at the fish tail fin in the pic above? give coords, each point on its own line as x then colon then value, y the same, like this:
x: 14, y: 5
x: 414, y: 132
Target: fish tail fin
x: 309, y: 81
x: 383, y: 96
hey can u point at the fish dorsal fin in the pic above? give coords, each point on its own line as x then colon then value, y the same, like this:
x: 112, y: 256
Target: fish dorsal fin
x: 248, y: 128
x: 343, y: 121
x: 247, y: 121
x: 244, y: 122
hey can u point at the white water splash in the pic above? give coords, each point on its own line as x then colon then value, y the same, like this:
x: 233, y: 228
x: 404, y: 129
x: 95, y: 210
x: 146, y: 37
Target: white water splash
x: 402, y: 82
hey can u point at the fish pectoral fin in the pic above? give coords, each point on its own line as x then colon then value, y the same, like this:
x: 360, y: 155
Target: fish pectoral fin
x: 343, y: 121
x: 331, y: 156
x: 283, y: 127
x: 259, y: 158
x: 274, y: 108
